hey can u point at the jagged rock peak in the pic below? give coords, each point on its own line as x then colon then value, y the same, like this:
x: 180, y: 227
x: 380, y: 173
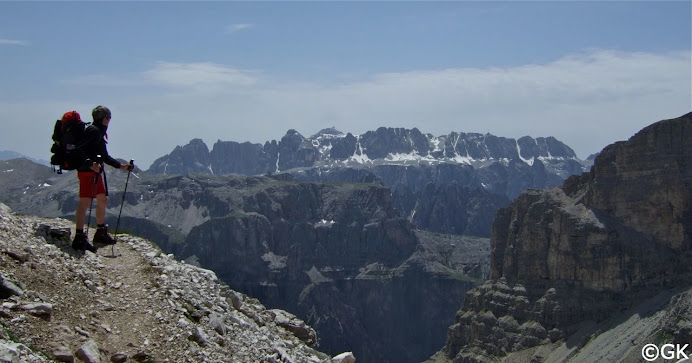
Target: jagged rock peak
x: 195, y: 145
x: 328, y: 132
x: 193, y: 157
x: 197, y: 142
x: 292, y: 133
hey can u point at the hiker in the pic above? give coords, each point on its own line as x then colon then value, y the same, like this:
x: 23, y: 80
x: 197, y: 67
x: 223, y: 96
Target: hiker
x: 90, y: 175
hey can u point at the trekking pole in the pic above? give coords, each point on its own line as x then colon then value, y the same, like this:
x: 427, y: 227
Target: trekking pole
x: 117, y: 224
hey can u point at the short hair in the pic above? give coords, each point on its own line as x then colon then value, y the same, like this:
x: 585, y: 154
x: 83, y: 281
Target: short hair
x: 99, y: 112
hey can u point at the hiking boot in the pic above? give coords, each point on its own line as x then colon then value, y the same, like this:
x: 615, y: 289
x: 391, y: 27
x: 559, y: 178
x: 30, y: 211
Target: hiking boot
x: 78, y: 241
x: 81, y: 243
x: 102, y: 238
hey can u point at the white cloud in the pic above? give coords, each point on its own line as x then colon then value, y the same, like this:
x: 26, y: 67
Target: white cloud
x: 13, y: 42
x: 587, y: 100
x: 234, y: 28
x: 204, y: 76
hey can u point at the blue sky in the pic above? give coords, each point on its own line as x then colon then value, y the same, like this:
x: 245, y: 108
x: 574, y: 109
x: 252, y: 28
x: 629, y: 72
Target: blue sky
x: 589, y: 73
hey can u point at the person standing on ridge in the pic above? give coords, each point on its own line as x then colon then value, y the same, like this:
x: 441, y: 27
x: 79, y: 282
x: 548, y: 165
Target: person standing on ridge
x: 91, y: 180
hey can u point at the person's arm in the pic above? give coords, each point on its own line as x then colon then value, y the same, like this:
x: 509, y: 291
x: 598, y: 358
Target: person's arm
x: 106, y: 158
x: 112, y: 161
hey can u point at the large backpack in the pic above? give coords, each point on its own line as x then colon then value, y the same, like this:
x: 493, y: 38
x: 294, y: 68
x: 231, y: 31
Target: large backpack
x: 67, y: 134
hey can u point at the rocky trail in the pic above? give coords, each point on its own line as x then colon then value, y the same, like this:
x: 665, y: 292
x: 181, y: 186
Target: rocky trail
x: 139, y: 306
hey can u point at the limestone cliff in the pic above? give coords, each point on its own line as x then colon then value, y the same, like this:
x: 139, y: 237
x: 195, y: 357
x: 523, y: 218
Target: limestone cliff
x: 600, y: 244
x: 339, y: 256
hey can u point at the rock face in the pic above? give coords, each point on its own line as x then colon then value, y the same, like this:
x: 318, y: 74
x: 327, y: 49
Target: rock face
x: 193, y: 157
x: 600, y: 244
x: 340, y: 257
x: 233, y: 157
x: 445, y: 198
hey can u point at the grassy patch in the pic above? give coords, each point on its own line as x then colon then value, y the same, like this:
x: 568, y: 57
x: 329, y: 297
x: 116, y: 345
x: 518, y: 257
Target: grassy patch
x: 663, y: 337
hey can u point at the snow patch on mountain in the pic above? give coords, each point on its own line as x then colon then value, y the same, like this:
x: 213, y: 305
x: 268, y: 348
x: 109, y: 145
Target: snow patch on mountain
x: 396, y: 146
x: 527, y: 161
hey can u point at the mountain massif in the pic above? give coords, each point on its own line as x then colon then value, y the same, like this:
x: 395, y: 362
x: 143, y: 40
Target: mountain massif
x: 449, y: 184
x: 331, y: 148
x: 611, y: 246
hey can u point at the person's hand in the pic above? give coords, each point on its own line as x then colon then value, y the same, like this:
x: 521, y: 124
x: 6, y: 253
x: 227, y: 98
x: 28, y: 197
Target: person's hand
x: 127, y: 167
x: 96, y: 167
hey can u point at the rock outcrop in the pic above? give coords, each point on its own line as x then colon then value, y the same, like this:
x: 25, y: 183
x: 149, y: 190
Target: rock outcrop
x: 602, y: 243
x: 140, y: 306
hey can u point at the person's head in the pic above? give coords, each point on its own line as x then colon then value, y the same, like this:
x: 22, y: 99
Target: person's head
x: 101, y: 115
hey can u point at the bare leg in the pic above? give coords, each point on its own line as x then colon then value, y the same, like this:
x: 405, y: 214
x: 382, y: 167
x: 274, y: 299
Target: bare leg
x: 101, y: 203
x: 80, y: 215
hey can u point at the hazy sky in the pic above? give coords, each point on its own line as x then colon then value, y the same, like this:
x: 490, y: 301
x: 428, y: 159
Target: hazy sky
x: 589, y: 73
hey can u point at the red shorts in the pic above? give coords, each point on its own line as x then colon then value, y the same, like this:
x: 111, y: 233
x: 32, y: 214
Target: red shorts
x: 86, y: 184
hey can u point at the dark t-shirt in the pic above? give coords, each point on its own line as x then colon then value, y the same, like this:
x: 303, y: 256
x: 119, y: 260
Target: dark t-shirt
x: 94, y: 144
